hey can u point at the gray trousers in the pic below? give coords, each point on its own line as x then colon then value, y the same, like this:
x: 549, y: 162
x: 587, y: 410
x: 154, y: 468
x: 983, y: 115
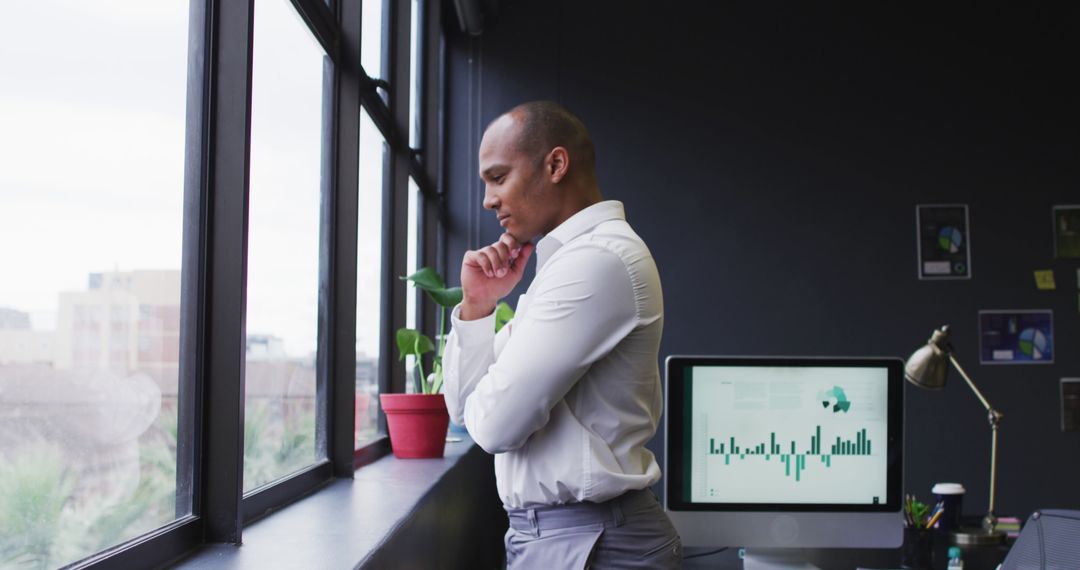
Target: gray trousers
x: 630, y: 531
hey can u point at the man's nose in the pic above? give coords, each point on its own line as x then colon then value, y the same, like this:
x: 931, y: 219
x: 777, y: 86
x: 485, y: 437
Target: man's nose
x: 490, y: 200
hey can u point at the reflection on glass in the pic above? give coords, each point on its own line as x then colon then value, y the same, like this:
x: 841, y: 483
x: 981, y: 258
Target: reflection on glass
x: 283, y: 246
x: 91, y: 227
x: 368, y: 280
x: 371, y: 37
x: 412, y: 263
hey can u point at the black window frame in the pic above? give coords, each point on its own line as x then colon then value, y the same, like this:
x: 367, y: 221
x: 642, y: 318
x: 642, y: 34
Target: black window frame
x: 213, y: 290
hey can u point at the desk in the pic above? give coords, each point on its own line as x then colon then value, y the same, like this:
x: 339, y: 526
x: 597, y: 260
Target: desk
x: 975, y: 558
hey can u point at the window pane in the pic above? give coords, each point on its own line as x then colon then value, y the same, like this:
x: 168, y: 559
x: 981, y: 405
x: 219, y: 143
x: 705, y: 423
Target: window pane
x: 369, y: 280
x: 412, y: 257
x: 283, y: 246
x: 92, y: 117
x: 371, y: 37
x: 414, y: 73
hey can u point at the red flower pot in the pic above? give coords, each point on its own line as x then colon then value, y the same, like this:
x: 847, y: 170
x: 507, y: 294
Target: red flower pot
x: 417, y: 424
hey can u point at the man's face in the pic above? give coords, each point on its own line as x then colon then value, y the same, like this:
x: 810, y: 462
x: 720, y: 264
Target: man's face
x: 514, y: 184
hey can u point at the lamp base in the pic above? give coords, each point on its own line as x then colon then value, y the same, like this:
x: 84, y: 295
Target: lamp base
x: 976, y: 537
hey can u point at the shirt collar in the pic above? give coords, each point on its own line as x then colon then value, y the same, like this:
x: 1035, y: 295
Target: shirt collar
x: 576, y: 225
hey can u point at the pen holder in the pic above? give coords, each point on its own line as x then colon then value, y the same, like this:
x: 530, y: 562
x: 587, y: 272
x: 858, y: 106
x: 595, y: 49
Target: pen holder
x: 918, y: 548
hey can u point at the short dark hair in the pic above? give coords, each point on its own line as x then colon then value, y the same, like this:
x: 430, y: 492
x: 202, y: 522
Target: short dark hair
x: 546, y: 125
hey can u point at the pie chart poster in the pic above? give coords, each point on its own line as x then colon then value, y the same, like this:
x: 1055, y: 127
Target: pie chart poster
x: 1016, y: 337
x: 944, y: 242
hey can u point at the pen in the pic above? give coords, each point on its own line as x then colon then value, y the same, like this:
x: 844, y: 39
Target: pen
x: 934, y: 518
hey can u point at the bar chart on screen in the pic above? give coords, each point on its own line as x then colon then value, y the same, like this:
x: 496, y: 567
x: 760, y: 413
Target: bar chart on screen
x: 764, y: 434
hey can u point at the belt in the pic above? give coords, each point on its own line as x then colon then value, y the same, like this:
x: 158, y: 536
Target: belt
x: 580, y: 514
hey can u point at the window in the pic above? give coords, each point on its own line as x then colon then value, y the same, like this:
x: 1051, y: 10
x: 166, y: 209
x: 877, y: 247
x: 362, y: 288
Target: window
x: 373, y: 22
x: 412, y: 260
x: 169, y: 222
x: 283, y: 247
x: 369, y: 260
x: 92, y: 126
x: 414, y: 75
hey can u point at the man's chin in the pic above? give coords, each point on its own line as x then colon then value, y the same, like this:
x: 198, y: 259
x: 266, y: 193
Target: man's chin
x: 519, y: 237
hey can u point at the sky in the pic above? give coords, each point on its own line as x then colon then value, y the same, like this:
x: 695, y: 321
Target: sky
x: 92, y: 112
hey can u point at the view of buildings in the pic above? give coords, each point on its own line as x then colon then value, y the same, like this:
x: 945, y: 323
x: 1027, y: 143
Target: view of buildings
x: 88, y: 415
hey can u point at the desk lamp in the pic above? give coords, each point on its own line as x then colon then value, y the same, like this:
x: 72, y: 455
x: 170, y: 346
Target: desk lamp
x: 927, y: 368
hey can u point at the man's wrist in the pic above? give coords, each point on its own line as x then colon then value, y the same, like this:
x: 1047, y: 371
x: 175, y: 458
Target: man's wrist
x: 473, y: 311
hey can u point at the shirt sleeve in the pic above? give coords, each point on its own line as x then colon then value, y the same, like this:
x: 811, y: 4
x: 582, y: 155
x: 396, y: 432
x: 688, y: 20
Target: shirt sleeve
x: 468, y: 353
x: 581, y: 305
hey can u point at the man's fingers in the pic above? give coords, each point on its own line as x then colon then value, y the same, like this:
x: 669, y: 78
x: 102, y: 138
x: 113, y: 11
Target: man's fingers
x: 480, y: 261
x: 522, y: 257
x: 503, y: 253
x: 499, y: 258
x: 511, y: 244
x: 495, y: 262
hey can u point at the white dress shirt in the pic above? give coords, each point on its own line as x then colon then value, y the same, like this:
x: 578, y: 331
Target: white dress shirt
x: 568, y: 393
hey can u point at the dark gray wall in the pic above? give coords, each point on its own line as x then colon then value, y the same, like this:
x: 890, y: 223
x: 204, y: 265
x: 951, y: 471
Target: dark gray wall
x: 459, y: 524
x: 772, y: 155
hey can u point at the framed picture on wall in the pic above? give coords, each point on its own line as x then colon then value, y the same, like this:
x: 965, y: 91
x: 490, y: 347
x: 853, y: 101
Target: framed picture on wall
x: 943, y: 241
x: 1016, y: 337
x: 1067, y: 232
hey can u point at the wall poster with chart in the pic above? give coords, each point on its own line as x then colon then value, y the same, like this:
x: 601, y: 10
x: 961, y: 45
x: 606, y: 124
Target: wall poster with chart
x: 944, y: 242
x: 1067, y: 232
x: 1016, y: 337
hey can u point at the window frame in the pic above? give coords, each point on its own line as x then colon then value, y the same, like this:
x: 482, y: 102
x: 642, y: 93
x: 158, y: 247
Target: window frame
x: 213, y: 276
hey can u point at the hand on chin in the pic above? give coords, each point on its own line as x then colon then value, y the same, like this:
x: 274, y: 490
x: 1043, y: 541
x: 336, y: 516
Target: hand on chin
x: 490, y: 273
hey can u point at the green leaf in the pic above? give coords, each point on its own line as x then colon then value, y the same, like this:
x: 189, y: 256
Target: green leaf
x: 446, y: 297
x: 412, y: 342
x: 427, y: 279
x: 503, y: 314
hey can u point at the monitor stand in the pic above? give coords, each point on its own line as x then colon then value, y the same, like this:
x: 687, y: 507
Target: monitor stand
x: 776, y: 559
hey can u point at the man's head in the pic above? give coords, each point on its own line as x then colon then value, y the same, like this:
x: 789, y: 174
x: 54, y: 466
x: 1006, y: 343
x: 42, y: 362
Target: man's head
x: 538, y: 166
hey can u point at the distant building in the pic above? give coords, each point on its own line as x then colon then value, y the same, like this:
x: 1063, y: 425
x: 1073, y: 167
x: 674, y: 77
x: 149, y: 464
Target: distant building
x: 26, y: 347
x: 11, y: 319
x: 124, y: 322
x: 264, y: 347
x: 367, y: 373
x: 19, y: 344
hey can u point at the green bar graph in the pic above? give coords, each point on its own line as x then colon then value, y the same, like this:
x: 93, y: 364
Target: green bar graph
x: 860, y: 445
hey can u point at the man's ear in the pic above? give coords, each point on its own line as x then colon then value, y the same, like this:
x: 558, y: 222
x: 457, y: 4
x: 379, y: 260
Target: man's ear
x: 557, y: 164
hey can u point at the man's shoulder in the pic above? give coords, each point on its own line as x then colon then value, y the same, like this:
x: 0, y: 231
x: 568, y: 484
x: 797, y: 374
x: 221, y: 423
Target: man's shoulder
x: 613, y: 238
x: 616, y: 236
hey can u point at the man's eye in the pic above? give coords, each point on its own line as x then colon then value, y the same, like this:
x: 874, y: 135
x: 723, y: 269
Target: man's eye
x: 498, y: 179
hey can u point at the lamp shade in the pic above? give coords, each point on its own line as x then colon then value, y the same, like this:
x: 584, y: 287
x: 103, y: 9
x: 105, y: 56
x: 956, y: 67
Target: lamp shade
x: 927, y: 366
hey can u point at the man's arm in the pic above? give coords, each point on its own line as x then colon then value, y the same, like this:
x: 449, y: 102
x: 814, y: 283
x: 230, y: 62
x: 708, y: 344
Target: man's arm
x: 487, y: 275
x: 469, y: 353
x: 581, y: 306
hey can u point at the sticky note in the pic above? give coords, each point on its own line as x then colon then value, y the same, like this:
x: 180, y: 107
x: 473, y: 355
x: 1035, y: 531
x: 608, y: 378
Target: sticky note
x: 1044, y: 280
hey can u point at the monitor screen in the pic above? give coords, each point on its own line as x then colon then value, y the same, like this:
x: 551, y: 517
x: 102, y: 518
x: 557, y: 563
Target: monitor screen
x: 783, y: 436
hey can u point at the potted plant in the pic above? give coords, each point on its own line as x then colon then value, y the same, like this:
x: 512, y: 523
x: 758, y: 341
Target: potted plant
x: 418, y: 422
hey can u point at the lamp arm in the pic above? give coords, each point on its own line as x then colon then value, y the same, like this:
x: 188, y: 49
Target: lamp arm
x: 994, y: 417
x: 970, y: 383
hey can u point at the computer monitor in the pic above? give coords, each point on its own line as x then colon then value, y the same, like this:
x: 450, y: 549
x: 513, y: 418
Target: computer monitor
x: 785, y: 452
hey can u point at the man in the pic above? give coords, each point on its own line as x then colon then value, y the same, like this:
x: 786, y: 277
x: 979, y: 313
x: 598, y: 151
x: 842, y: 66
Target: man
x: 568, y: 393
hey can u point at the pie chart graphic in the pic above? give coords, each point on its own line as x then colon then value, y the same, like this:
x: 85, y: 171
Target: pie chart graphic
x: 1034, y: 344
x: 949, y: 239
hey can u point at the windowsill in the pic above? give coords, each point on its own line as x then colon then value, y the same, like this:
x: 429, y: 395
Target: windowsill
x: 347, y: 522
